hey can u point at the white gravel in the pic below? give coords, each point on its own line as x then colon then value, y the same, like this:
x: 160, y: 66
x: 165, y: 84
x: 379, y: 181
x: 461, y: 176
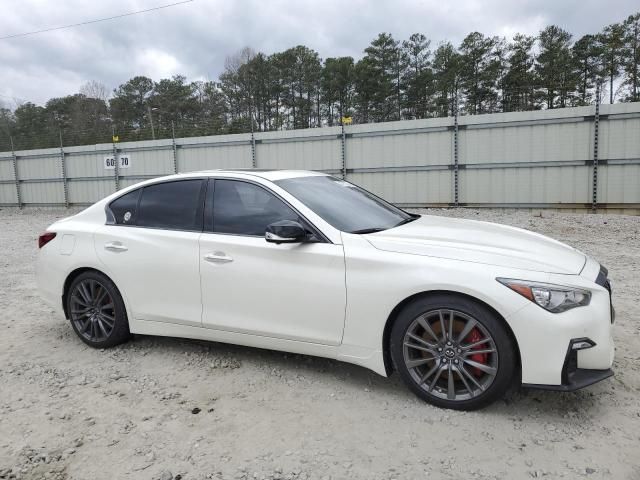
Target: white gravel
x: 67, y: 411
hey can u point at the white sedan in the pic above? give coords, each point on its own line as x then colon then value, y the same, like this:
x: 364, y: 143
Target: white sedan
x: 307, y: 263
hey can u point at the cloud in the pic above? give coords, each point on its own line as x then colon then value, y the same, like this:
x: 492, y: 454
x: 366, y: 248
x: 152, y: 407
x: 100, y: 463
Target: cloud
x: 193, y: 39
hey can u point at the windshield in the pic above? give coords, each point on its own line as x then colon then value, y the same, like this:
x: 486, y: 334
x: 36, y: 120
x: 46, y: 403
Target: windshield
x: 345, y: 206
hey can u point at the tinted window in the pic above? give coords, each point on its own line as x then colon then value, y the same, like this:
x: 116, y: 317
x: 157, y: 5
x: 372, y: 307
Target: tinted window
x: 124, y: 208
x: 172, y: 205
x: 246, y: 209
x: 345, y: 206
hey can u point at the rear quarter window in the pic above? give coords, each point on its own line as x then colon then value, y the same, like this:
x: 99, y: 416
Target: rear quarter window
x: 125, y: 208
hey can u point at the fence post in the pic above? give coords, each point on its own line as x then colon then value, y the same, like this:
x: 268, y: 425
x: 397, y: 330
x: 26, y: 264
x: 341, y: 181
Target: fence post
x: 175, y: 152
x: 344, y: 151
x: 456, y: 180
x: 63, y: 165
x: 254, y: 162
x: 116, y: 163
x: 596, y: 127
x: 15, y: 173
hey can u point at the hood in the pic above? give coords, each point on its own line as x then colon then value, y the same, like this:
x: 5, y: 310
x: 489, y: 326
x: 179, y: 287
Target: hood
x: 480, y: 242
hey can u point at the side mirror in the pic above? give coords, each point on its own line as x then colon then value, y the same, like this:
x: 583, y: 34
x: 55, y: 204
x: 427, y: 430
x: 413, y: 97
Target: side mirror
x: 285, y: 231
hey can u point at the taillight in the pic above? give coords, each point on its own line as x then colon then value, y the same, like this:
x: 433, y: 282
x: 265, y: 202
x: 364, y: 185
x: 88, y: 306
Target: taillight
x: 45, y: 238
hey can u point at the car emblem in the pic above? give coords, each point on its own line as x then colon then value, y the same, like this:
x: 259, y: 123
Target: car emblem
x: 127, y: 216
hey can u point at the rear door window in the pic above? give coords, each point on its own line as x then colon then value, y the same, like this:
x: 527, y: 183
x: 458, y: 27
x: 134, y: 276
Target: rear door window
x: 172, y: 205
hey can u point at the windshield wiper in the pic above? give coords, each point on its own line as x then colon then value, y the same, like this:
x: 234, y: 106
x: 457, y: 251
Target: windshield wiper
x: 368, y: 230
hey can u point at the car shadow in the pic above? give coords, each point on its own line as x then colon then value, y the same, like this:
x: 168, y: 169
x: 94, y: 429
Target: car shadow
x: 319, y: 368
x: 551, y: 405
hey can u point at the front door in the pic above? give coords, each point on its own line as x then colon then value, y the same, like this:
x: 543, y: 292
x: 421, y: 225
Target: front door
x: 288, y: 291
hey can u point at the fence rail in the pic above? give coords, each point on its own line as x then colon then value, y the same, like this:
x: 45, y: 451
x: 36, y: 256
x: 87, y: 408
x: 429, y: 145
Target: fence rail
x: 575, y: 158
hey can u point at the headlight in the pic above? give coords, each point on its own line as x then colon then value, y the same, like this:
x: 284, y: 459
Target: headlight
x: 554, y: 298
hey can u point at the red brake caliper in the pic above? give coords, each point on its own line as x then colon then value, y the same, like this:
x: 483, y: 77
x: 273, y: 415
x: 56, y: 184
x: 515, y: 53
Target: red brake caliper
x: 476, y: 336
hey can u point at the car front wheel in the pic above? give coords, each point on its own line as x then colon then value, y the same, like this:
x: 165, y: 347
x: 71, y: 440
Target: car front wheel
x: 452, y: 352
x: 96, y: 310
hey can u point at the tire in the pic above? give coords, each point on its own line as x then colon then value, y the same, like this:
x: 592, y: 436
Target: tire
x: 441, y: 337
x: 96, y: 310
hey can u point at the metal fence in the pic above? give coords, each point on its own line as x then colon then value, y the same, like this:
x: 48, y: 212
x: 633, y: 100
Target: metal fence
x: 573, y: 158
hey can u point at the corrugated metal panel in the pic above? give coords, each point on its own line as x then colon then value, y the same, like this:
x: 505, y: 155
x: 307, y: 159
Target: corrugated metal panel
x: 148, y: 162
x: 620, y: 141
x: 6, y: 170
x: 526, y: 185
x: 8, y: 193
x: 214, y: 157
x: 571, y: 141
x: 307, y: 155
x: 89, y: 191
x: 39, y: 167
x: 408, y: 188
x: 88, y: 164
x: 619, y: 184
x: 412, y: 149
x: 125, y: 182
x: 42, y: 192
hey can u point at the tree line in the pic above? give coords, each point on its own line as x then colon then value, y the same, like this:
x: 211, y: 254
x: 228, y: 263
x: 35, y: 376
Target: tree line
x: 393, y: 80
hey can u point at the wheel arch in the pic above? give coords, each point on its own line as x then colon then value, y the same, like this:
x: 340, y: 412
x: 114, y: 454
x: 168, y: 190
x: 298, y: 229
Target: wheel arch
x: 388, y: 363
x: 69, y: 280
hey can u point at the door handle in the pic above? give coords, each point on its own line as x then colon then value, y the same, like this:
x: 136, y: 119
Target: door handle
x: 115, y: 247
x: 218, y: 257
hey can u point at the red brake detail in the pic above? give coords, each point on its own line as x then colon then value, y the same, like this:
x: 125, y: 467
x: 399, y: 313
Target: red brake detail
x: 476, y: 336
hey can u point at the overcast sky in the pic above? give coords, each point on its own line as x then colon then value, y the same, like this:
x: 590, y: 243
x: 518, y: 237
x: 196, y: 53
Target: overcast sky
x: 194, y: 38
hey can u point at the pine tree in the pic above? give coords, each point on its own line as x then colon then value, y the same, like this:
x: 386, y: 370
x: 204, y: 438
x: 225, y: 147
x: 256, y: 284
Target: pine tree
x: 129, y: 104
x: 518, y: 86
x: 338, y: 77
x: 612, y: 39
x: 447, y: 76
x: 418, y: 77
x: 555, y: 67
x: 631, y: 57
x: 385, y: 61
x: 479, y: 71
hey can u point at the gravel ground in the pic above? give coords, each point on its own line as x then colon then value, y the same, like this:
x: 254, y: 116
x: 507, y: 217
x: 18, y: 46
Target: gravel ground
x: 160, y: 408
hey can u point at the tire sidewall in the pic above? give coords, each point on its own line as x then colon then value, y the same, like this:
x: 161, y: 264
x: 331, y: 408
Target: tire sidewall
x: 504, y: 344
x: 120, y: 331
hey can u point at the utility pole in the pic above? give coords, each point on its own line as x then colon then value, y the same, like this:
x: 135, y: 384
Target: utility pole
x: 15, y: 172
x: 175, y: 151
x: 254, y: 161
x: 153, y: 130
x: 116, y: 160
x: 596, y: 128
x: 456, y: 165
x: 63, y: 166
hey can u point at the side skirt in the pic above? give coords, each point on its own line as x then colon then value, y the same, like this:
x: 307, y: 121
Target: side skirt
x: 359, y: 356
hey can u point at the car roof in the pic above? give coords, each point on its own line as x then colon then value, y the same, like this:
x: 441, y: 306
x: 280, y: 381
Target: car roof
x: 271, y: 175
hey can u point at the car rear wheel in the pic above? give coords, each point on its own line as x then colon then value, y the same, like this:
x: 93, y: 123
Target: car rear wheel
x: 452, y: 352
x: 96, y: 310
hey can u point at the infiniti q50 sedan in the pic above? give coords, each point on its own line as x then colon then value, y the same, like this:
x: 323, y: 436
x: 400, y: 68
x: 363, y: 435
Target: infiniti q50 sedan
x: 307, y: 263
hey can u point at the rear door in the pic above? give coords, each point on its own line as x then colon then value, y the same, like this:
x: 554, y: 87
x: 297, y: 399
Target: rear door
x: 289, y: 291
x: 151, y: 250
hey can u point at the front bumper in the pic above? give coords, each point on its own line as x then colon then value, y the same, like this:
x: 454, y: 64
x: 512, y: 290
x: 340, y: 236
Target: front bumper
x: 544, y: 339
x: 574, y: 378
x: 581, y: 378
